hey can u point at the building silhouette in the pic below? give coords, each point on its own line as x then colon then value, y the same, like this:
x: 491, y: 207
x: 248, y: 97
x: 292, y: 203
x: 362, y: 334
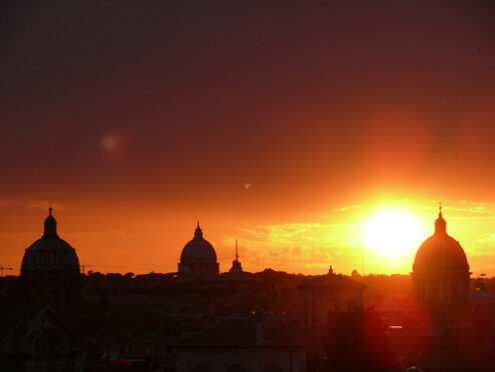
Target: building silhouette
x: 441, y: 270
x: 198, y: 259
x: 445, y: 320
x: 327, y: 293
x: 200, y: 321
x: 236, y: 264
x: 34, y: 336
x: 241, y: 344
x: 50, y: 270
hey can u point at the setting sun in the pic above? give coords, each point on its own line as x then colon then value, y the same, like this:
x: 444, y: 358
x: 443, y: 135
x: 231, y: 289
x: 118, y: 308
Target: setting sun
x: 392, y: 233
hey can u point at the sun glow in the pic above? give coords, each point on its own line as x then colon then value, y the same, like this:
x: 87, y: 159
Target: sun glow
x: 392, y: 233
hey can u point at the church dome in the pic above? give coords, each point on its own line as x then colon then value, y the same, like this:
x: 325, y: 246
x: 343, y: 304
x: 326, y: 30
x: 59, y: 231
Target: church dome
x: 50, y: 255
x: 198, y: 249
x: 440, y: 252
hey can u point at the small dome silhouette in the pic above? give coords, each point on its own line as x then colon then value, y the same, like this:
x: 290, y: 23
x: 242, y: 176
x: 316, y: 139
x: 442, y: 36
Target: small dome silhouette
x: 50, y: 255
x: 198, y: 249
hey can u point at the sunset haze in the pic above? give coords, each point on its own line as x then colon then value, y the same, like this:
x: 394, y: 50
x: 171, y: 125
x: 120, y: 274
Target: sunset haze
x: 286, y: 125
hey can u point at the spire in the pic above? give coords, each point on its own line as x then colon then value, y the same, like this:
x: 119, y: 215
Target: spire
x: 236, y: 265
x: 198, y: 233
x: 440, y: 223
x: 50, y: 224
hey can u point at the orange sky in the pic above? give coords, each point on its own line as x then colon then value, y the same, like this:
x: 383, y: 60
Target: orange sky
x: 137, y: 121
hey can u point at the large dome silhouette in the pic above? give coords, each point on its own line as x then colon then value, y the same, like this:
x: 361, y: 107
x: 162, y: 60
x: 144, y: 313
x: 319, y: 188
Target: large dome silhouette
x: 50, y: 255
x: 441, y: 270
x: 440, y: 252
x: 198, y: 258
x: 198, y: 249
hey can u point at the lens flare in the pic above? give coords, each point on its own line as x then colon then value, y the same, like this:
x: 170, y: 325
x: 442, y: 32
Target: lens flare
x: 114, y: 145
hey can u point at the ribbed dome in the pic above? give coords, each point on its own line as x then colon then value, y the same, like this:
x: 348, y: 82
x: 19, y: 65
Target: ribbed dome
x: 198, y: 249
x: 440, y: 252
x: 50, y: 255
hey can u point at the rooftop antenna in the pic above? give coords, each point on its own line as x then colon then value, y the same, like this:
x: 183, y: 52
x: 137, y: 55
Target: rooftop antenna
x: 83, y: 268
x: 236, y: 251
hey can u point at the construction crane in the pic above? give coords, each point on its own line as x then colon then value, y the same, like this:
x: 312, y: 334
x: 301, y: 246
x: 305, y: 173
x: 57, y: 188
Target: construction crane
x: 4, y: 268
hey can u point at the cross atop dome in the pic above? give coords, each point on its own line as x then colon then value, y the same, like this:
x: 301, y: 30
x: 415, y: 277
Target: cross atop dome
x: 440, y: 223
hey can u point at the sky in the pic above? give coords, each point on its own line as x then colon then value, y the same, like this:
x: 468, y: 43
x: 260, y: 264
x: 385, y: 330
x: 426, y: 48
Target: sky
x: 285, y: 124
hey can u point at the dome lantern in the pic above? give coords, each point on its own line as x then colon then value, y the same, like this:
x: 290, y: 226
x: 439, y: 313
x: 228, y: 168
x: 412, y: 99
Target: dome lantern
x: 440, y: 223
x: 50, y: 224
x: 198, y: 233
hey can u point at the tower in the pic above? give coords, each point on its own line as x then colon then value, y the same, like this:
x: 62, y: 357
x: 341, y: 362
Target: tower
x: 236, y: 264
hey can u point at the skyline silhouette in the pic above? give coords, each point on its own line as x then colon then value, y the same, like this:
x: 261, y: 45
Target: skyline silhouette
x: 247, y: 186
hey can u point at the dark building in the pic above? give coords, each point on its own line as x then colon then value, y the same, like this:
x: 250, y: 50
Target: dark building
x: 443, y: 323
x: 236, y: 264
x: 50, y: 270
x: 240, y: 344
x: 33, y: 334
x: 441, y: 270
x: 327, y: 293
x: 35, y: 338
x: 198, y: 259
